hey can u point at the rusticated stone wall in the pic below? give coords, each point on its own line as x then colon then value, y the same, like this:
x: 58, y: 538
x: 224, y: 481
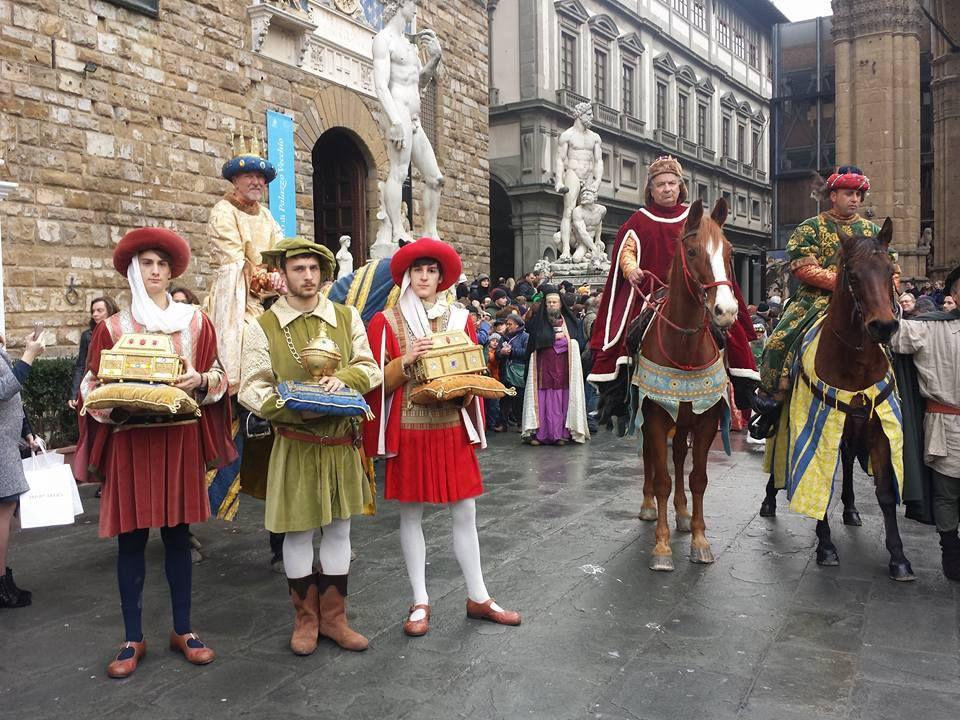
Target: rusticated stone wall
x: 140, y: 141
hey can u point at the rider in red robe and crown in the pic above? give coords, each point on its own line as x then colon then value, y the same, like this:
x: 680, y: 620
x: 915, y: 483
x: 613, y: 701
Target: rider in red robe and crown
x: 641, y: 261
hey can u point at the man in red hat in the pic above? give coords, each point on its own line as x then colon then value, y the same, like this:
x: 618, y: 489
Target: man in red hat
x: 155, y: 467
x: 641, y: 259
x: 814, y: 251
x: 429, y: 450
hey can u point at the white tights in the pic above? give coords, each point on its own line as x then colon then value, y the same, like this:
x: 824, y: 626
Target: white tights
x: 466, y: 546
x: 334, y: 552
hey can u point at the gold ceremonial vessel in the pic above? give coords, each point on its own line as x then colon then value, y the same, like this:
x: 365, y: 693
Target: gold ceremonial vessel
x: 321, y: 356
x: 453, y: 353
x: 141, y: 357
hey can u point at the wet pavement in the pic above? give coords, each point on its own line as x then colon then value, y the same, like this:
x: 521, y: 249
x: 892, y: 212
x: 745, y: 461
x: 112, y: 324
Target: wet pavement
x: 762, y: 633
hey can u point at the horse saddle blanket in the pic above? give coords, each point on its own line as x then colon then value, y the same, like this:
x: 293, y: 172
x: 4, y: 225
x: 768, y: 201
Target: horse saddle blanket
x: 815, y: 427
x: 668, y: 387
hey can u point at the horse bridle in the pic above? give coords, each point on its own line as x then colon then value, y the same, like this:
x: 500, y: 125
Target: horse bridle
x: 857, y: 311
x: 701, y: 295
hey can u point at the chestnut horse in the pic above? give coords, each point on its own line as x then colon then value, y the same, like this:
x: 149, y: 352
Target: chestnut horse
x: 863, y: 313
x: 680, y: 338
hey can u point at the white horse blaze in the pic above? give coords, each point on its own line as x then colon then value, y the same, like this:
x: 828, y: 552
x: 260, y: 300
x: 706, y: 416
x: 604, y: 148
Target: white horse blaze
x: 725, y: 308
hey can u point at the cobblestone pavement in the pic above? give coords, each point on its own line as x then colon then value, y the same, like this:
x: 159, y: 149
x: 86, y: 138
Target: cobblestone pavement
x: 762, y: 633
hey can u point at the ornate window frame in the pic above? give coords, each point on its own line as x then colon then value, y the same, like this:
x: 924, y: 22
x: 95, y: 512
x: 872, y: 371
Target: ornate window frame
x: 571, y: 17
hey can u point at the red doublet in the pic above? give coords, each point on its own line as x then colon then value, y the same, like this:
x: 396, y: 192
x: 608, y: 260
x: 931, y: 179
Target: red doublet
x: 156, y: 476
x: 658, y: 237
x: 428, y: 453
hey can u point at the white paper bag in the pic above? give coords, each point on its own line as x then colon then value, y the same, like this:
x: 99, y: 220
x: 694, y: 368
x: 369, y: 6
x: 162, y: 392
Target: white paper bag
x: 53, y: 498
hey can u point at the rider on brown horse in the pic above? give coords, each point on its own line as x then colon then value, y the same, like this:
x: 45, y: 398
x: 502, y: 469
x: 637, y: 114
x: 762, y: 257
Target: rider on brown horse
x: 814, y: 251
x: 640, y: 267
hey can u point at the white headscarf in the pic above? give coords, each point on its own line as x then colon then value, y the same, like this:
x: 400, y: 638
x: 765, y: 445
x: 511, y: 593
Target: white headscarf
x: 177, y: 316
x: 418, y: 317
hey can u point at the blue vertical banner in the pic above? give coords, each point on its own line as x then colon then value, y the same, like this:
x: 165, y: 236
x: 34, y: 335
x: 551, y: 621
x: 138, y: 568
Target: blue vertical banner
x: 283, y: 191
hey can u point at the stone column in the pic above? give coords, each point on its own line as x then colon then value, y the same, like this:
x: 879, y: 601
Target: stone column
x: 945, y: 88
x: 877, y: 49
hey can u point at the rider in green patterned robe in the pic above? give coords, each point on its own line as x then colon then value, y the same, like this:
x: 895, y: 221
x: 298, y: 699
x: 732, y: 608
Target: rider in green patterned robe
x: 814, y: 251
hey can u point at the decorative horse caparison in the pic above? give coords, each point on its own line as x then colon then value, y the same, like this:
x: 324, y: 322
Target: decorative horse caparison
x: 679, y: 340
x: 862, y: 315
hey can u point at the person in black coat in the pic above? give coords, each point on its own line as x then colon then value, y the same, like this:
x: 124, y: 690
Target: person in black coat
x: 100, y: 309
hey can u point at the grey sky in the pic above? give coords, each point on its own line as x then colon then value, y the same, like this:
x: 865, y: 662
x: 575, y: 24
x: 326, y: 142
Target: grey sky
x: 803, y: 9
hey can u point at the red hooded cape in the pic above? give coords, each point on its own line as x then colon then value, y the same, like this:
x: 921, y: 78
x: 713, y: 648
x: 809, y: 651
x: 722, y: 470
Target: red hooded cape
x: 658, y: 230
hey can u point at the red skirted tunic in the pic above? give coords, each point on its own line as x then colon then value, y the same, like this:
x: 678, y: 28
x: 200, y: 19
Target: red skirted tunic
x: 156, y: 474
x: 429, y: 457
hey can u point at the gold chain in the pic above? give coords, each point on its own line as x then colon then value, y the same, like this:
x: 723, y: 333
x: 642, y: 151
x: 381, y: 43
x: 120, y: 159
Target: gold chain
x: 293, y: 350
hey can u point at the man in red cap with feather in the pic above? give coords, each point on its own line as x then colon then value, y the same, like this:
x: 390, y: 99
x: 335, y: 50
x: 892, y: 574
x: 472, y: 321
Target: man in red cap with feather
x: 641, y: 261
x: 155, y: 471
x: 429, y: 449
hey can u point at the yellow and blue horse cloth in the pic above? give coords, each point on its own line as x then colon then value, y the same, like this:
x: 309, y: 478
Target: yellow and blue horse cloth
x: 815, y: 429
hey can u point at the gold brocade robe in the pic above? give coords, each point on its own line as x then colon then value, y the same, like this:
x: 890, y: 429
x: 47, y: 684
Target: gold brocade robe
x: 238, y: 236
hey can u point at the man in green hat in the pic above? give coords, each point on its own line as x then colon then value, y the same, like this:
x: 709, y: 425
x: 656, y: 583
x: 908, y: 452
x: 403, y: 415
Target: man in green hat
x: 315, y: 477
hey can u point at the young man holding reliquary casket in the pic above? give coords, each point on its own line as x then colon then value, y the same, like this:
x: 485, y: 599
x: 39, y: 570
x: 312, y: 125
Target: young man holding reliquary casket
x: 155, y: 460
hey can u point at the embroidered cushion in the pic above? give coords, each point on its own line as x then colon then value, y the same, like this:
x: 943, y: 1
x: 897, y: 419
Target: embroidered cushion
x: 142, y: 399
x: 308, y: 397
x: 454, y: 387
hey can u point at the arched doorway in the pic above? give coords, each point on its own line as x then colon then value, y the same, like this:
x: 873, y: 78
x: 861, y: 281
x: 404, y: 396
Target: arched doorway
x: 340, y: 193
x: 502, y: 247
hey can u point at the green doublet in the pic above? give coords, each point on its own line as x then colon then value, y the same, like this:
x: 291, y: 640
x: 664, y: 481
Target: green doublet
x: 814, y: 241
x: 309, y: 485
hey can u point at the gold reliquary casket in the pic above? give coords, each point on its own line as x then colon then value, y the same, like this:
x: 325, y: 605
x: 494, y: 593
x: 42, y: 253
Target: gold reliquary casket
x: 453, y: 353
x: 141, y: 357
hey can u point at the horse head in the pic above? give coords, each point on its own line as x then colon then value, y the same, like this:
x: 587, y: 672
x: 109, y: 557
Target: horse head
x: 705, y: 254
x: 866, y: 273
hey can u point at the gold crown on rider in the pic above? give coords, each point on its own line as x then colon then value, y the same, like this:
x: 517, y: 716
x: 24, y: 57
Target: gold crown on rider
x: 243, y: 148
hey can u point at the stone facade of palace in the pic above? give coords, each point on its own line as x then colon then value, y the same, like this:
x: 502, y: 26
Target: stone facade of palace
x: 690, y: 78
x: 116, y: 114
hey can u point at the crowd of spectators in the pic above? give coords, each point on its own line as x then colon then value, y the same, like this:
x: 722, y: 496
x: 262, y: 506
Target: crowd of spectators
x: 500, y: 311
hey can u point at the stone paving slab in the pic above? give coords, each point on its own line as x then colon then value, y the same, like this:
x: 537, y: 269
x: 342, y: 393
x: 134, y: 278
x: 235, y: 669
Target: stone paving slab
x: 762, y: 633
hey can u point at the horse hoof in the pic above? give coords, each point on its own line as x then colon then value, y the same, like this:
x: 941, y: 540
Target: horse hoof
x: 648, y: 514
x: 701, y: 556
x: 827, y: 557
x: 852, y: 517
x: 662, y: 563
x: 901, y: 571
x: 768, y: 508
x: 684, y: 523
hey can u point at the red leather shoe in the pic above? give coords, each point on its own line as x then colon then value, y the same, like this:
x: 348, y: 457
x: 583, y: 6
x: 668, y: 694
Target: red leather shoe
x: 124, y: 668
x: 200, y: 654
x: 485, y: 611
x: 417, y: 628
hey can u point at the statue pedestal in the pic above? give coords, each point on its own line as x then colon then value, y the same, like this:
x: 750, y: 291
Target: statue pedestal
x: 579, y: 272
x: 383, y: 251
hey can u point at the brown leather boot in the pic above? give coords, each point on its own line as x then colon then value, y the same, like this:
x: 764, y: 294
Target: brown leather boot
x: 333, y: 613
x: 306, y: 624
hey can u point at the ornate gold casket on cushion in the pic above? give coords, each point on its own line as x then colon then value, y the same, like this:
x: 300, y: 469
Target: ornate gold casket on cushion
x: 453, y: 353
x: 138, y: 375
x: 141, y: 357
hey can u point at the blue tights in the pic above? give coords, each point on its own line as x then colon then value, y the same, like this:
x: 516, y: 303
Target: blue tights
x: 131, y: 569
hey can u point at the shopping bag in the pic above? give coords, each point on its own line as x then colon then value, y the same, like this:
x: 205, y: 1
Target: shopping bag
x: 53, y: 498
x: 43, y: 459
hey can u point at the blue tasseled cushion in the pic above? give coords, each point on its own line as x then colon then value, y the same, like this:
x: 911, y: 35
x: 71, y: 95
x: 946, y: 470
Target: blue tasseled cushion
x: 308, y: 397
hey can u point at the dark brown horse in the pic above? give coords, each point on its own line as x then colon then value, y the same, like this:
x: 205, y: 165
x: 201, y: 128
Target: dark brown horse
x: 862, y: 315
x: 680, y: 338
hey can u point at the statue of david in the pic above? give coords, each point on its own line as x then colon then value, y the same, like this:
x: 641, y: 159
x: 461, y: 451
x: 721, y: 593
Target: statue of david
x: 398, y: 76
